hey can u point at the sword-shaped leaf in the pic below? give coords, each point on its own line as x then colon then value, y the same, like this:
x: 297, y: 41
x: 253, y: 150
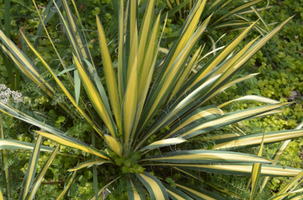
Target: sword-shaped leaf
x: 62, y: 87
x: 89, y: 163
x: 113, y: 144
x: 15, y: 144
x: 277, y: 155
x: 5, y: 166
x: 136, y: 192
x: 255, y: 173
x: 95, y: 98
x: 176, y: 194
x: 71, y: 142
x: 196, y: 194
x: 102, y: 189
x: 1, y: 196
x: 289, y: 187
x: 67, y: 186
x: 207, y: 156
x: 251, y: 98
x: 31, y: 169
x: 163, y: 143
x: 38, y: 179
x: 109, y: 73
x: 238, y: 169
x: 194, y: 129
x: 154, y: 186
x: 256, y: 139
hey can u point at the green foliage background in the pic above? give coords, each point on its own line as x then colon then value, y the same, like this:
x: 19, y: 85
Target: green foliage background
x: 279, y: 63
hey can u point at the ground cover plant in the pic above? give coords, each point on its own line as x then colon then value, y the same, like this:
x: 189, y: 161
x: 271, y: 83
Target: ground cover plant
x: 149, y: 105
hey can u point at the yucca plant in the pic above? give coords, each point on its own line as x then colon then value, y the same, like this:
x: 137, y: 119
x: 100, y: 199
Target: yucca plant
x: 227, y: 14
x: 149, y: 104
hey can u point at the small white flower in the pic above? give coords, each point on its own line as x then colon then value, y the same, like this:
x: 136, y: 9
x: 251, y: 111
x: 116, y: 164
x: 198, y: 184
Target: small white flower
x: 2, y: 87
x: 4, y: 101
x: 7, y: 93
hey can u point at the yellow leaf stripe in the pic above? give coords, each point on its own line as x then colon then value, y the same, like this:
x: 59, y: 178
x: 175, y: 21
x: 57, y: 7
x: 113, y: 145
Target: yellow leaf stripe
x: 4, y: 158
x: 153, y: 187
x: 256, y: 139
x: 113, y: 144
x: 95, y: 98
x: 62, y: 86
x: 109, y: 72
x: 89, y: 163
x: 1, y: 195
x: 67, y: 142
x: 31, y: 170
x: 38, y: 180
x: 208, y: 156
x: 130, y: 102
x: 174, y: 195
x: 67, y: 186
x: 165, y: 142
x: 135, y: 192
x: 199, y: 194
x: 240, y: 115
x: 268, y: 170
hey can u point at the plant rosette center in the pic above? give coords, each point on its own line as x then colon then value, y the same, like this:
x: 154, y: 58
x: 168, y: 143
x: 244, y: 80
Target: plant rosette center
x: 127, y: 164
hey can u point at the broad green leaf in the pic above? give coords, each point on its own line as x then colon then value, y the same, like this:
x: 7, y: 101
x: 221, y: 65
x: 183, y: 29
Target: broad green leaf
x: 163, y: 143
x: 38, y: 179
x: 67, y: 186
x: 71, y: 142
x: 89, y: 163
x: 31, y: 169
x: 155, y: 188
x: 207, y: 156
